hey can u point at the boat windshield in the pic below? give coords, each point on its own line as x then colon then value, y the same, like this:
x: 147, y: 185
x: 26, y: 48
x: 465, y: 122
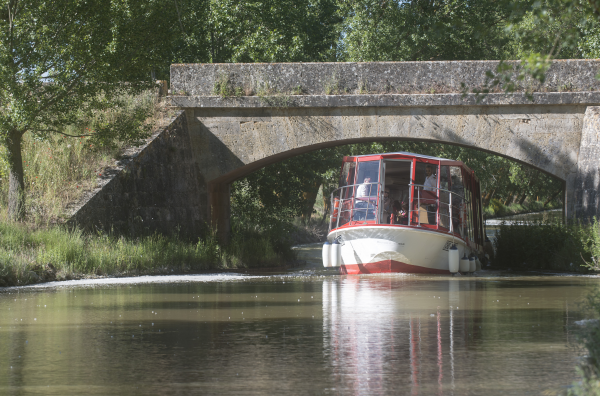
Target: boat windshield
x: 409, y: 192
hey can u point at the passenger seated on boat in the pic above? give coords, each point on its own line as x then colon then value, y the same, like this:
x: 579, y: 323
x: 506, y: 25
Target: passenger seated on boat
x: 363, y: 210
x: 402, y: 216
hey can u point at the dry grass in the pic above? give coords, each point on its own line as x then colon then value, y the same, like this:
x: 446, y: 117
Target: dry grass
x: 59, y: 169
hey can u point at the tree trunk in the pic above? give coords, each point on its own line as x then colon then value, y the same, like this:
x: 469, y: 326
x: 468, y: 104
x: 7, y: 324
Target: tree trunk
x: 310, y: 197
x: 510, y: 198
x: 558, y: 191
x: 489, y: 197
x: 16, y: 183
x: 523, y: 198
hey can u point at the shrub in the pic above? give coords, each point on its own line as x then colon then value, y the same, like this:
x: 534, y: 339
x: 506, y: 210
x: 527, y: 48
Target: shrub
x: 588, y: 337
x: 488, y: 212
x: 548, y: 246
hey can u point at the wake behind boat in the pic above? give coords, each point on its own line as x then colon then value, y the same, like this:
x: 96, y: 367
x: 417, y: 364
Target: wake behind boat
x: 405, y: 212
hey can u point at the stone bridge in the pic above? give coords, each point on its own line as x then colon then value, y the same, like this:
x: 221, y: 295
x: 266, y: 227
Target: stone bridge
x: 237, y: 118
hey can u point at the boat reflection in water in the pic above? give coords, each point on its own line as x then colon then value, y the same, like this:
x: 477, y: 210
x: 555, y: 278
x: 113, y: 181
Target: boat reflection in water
x: 417, y: 341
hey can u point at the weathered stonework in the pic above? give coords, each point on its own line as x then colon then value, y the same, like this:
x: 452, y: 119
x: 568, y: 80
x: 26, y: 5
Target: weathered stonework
x: 370, y: 77
x: 298, y: 107
x: 159, y: 188
x: 587, y: 181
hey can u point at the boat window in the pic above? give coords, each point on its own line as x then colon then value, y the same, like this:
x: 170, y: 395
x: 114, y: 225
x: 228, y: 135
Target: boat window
x: 425, y: 194
x: 396, y: 179
x: 457, y: 188
x: 445, y: 199
x: 347, y: 178
x: 469, y: 195
x: 368, y: 170
x: 467, y: 207
x: 421, y: 175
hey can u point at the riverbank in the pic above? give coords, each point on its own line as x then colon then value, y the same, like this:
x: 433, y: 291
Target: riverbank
x: 32, y: 254
x: 548, y: 245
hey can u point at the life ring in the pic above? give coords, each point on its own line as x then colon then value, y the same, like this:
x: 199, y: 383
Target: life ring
x: 336, y: 207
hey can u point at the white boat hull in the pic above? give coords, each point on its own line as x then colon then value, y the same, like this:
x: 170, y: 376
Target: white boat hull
x: 381, y: 248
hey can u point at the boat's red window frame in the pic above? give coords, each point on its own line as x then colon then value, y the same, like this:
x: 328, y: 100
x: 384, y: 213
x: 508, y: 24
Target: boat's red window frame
x: 468, y: 176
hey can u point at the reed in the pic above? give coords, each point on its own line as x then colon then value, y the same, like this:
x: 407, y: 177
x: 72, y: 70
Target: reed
x: 29, y: 254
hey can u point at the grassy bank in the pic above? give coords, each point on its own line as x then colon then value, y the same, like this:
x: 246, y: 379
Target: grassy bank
x: 58, y: 169
x: 497, y: 209
x: 548, y: 246
x: 29, y: 254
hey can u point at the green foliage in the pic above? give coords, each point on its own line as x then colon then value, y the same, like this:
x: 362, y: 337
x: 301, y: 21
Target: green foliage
x: 73, y: 254
x: 423, y: 30
x: 223, y: 86
x: 57, y: 169
x: 548, y: 245
x: 280, y: 192
x: 59, y: 62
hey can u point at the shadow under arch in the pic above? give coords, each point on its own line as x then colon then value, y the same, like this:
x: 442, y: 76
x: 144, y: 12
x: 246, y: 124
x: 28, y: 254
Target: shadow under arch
x: 538, y: 136
x: 542, y: 138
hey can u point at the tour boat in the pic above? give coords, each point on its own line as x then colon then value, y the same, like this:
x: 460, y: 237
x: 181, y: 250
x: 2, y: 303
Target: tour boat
x: 405, y: 212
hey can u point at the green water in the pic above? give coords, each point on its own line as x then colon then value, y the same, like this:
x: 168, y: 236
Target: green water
x: 303, y: 332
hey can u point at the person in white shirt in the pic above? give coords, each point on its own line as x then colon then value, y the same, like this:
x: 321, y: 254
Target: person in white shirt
x: 361, y: 205
x: 364, y: 190
x: 430, y: 179
x: 430, y: 184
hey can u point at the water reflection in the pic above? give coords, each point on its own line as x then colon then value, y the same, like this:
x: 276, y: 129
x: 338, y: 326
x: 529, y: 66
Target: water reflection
x: 349, y: 335
x: 386, y: 334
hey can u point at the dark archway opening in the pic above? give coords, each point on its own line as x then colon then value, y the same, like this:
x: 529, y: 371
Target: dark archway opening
x: 297, y: 188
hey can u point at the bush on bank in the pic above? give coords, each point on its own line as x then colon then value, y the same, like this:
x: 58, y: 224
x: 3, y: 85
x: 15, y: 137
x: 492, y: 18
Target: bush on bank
x: 548, y: 246
x: 30, y: 254
x: 588, y: 338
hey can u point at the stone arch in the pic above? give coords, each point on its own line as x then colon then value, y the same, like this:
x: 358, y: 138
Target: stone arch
x: 231, y: 143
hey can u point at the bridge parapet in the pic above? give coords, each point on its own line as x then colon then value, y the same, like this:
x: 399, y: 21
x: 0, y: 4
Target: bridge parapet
x: 267, y: 79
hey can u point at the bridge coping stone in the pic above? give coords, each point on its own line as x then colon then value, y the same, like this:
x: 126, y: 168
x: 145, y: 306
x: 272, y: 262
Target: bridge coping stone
x: 265, y: 79
x: 387, y: 100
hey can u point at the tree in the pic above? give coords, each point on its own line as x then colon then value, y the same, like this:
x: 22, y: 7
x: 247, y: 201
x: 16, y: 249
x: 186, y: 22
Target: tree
x: 420, y: 30
x: 63, y: 60
x: 272, y: 30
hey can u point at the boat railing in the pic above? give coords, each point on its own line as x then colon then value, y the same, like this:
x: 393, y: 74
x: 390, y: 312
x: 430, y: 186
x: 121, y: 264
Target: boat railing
x: 444, y: 209
x: 347, y: 206
x: 427, y: 207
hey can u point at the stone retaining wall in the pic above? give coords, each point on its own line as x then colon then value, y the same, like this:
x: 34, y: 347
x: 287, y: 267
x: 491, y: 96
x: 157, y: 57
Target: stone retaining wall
x: 154, y: 188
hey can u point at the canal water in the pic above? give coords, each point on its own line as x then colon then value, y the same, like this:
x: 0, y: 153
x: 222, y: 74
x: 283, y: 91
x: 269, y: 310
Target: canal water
x: 303, y: 332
